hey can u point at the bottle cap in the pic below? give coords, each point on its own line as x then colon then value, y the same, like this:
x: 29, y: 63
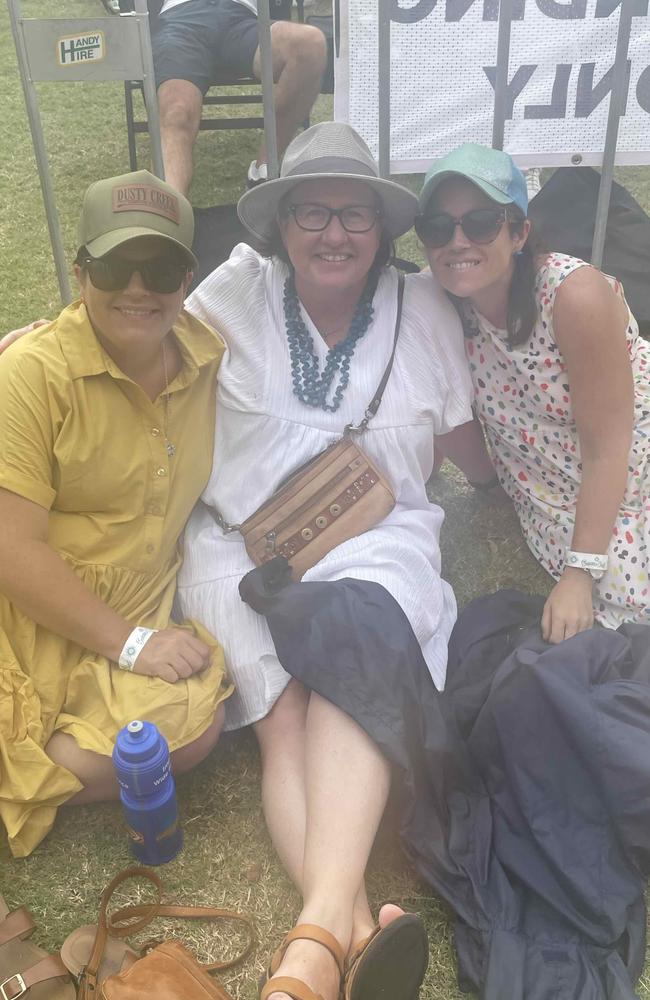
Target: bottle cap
x: 136, y: 726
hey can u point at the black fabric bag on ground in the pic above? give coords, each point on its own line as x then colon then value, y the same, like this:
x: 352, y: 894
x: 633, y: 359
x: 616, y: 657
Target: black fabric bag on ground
x: 216, y: 231
x: 564, y: 214
x: 524, y: 788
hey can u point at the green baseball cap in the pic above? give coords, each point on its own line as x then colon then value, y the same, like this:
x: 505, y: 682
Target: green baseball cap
x: 492, y: 170
x: 122, y: 208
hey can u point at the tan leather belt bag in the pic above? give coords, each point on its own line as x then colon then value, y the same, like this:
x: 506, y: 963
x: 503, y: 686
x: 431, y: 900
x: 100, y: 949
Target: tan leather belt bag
x: 335, y: 496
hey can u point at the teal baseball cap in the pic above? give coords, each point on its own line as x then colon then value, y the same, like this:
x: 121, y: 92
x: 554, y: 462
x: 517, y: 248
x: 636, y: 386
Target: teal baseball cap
x: 492, y: 170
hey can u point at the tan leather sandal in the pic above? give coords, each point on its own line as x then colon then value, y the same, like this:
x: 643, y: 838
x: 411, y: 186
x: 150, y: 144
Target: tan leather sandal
x: 391, y: 962
x: 25, y: 969
x: 296, y: 988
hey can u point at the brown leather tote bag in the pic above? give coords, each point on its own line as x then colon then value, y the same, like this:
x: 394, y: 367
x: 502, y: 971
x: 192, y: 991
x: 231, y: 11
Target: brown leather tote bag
x: 166, y: 972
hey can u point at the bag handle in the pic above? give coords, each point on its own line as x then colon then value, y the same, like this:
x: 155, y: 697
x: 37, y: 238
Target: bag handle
x: 373, y: 406
x: 131, y: 919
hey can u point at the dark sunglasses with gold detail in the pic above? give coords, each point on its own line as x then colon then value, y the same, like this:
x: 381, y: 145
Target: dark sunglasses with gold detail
x: 164, y: 274
x: 480, y: 225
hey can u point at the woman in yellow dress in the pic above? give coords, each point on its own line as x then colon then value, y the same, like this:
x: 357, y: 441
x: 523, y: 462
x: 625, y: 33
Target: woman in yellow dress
x: 105, y: 445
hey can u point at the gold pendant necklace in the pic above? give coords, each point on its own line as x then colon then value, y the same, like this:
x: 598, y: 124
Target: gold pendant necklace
x: 171, y: 448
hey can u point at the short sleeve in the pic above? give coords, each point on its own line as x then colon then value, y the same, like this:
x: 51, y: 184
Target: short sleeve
x: 26, y: 428
x: 228, y: 297
x: 437, y: 323
x: 236, y: 300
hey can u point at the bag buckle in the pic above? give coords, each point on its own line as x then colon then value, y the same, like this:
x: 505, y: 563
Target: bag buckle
x: 22, y: 988
x: 363, y: 424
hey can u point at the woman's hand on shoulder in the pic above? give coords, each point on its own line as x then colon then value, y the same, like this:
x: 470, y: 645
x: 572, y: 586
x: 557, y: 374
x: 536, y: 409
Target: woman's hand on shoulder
x: 14, y: 335
x: 173, y: 654
x: 569, y: 607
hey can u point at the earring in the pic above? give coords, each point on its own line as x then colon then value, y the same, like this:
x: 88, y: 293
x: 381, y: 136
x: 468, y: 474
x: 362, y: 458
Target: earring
x: 518, y: 253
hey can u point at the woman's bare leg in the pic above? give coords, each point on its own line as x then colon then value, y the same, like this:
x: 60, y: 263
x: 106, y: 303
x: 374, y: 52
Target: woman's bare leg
x: 95, y: 770
x: 282, y: 737
x: 346, y: 783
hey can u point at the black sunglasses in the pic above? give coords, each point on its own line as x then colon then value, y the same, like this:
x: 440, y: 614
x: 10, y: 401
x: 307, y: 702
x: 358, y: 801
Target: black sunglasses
x: 481, y: 225
x: 315, y: 218
x: 112, y: 273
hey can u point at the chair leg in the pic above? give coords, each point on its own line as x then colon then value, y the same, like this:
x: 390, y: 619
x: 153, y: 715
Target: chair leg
x: 130, y: 131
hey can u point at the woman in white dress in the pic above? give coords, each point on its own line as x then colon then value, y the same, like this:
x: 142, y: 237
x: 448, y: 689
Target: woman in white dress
x: 327, y: 224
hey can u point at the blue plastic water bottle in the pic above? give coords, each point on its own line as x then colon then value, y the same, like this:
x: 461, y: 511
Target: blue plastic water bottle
x: 148, y: 793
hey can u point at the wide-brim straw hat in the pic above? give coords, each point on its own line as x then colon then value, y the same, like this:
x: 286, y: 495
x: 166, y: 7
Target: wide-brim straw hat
x: 330, y: 149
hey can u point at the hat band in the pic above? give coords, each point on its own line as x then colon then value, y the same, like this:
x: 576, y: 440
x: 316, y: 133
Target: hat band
x: 333, y: 165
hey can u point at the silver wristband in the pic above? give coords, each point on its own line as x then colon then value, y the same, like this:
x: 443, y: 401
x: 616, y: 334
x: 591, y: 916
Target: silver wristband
x: 133, y: 646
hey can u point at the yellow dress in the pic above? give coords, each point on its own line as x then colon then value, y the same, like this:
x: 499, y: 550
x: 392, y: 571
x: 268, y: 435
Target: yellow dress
x: 79, y: 438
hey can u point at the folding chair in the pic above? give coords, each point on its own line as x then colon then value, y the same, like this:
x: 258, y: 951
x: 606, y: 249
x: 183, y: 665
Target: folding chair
x: 78, y: 49
x: 225, y: 82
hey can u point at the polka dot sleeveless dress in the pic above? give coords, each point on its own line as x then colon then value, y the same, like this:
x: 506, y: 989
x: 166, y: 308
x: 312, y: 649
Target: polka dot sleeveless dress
x: 523, y: 398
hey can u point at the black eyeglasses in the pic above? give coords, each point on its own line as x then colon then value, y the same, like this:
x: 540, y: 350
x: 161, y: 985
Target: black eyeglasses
x: 481, y: 225
x: 112, y: 273
x: 353, y: 218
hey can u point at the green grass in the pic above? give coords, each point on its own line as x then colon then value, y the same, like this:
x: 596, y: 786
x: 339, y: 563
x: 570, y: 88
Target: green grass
x: 228, y: 860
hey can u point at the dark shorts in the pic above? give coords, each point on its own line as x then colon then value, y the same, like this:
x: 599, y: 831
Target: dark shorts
x: 201, y: 39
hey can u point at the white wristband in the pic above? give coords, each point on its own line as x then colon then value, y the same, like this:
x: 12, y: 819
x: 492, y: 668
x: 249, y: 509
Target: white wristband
x: 594, y: 563
x: 134, y: 645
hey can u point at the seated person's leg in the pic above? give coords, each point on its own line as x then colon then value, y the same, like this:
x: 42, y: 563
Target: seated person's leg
x: 299, y: 61
x: 96, y: 771
x: 183, y: 53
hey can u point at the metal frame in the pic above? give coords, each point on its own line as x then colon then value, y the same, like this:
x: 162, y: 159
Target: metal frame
x: 35, y: 42
x: 616, y: 102
x: 127, y: 56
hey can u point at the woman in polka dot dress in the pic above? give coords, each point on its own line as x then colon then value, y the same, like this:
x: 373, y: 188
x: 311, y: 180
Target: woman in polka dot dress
x: 562, y: 384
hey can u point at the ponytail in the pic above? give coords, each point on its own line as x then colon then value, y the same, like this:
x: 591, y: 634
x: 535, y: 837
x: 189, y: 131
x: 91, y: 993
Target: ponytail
x: 522, y: 301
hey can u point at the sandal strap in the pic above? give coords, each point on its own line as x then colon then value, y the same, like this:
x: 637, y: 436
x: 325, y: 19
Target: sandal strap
x: 359, y: 948
x: 50, y: 967
x: 16, y: 924
x: 295, y: 988
x: 310, y: 932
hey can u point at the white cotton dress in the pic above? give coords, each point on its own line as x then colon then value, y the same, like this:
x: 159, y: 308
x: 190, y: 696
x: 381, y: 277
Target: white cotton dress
x: 263, y: 432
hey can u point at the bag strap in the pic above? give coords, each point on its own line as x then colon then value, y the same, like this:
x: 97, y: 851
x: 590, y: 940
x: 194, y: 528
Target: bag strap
x: 131, y: 919
x: 373, y: 406
x: 349, y: 429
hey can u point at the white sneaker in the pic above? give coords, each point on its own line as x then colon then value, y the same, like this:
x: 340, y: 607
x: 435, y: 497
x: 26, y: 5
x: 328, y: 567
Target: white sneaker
x: 256, y: 174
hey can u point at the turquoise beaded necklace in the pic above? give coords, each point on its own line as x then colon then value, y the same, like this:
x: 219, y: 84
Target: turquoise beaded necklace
x: 310, y: 385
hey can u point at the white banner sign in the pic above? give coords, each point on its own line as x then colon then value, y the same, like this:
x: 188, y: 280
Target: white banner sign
x: 443, y: 65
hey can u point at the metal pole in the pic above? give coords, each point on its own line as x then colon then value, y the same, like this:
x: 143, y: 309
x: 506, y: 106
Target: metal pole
x: 501, y: 79
x: 268, y: 100
x: 383, y: 86
x: 44, y: 174
x: 616, y: 107
x: 149, y: 88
